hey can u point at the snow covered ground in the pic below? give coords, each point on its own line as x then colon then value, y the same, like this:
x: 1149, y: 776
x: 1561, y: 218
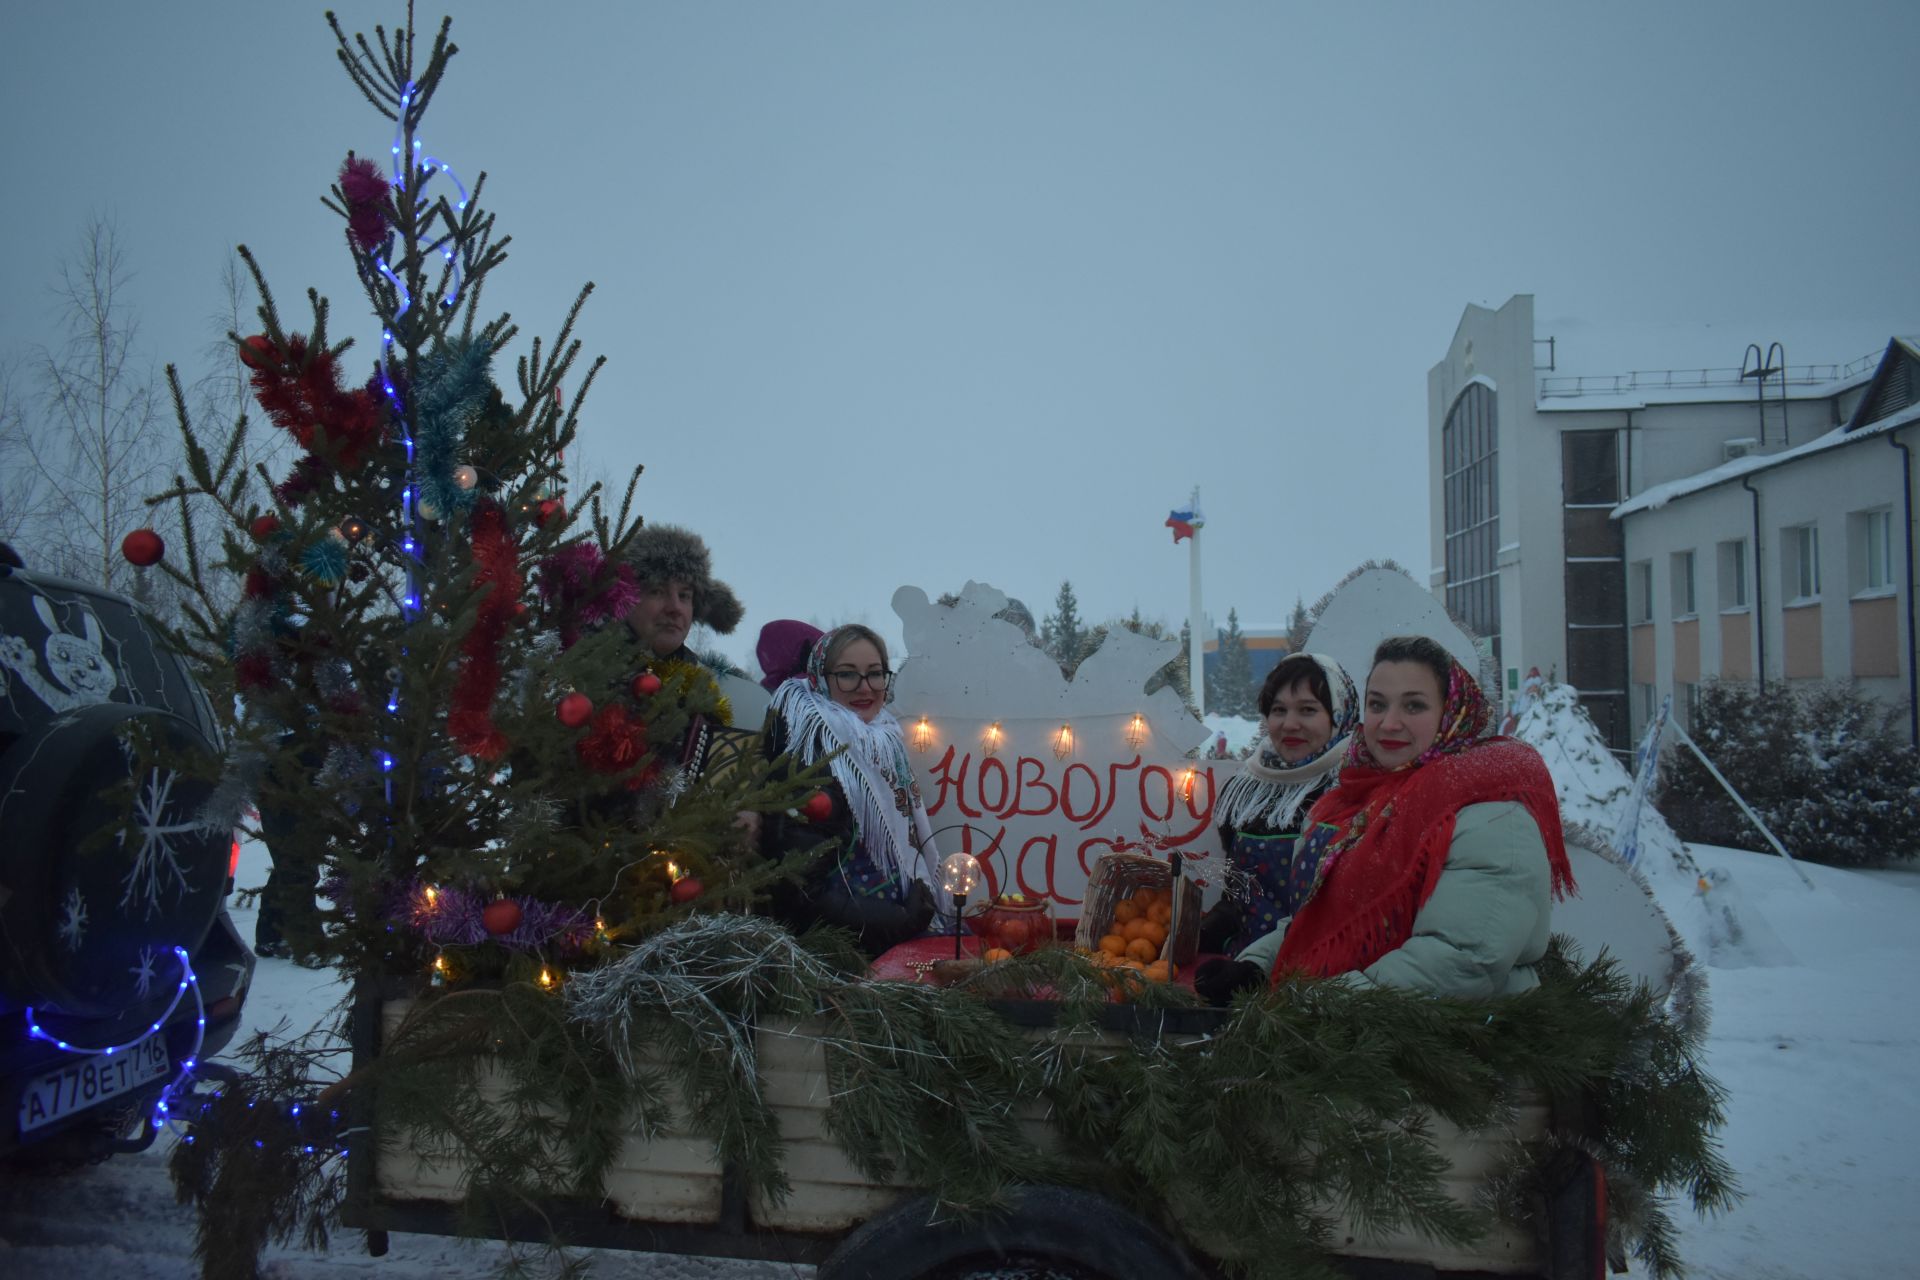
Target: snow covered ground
x: 1816, y: 1048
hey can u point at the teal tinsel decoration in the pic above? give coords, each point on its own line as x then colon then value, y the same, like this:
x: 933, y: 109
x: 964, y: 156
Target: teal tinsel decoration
x: 452, y: 389
x: 326, y: 560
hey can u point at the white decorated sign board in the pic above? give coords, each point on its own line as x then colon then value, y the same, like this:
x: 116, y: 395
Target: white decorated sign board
x: 1038, y: 775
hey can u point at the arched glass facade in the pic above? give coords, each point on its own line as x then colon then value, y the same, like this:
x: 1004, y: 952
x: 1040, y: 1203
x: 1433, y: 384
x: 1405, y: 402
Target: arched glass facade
x: 1470, y: 491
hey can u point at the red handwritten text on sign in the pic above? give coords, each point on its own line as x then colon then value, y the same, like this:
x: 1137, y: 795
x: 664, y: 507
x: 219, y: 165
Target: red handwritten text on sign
x: 1038, y: 825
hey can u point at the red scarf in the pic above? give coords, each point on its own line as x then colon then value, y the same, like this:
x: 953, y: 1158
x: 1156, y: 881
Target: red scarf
x: 1393, y: 830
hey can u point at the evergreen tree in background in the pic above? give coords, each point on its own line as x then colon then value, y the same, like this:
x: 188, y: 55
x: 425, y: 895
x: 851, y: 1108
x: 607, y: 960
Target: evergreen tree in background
x: 1062, y: 634
x: 1298, y: 626
x: 1230, y: 690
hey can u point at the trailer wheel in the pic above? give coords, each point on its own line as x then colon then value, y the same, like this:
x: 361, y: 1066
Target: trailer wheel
x: 1046, y: 1233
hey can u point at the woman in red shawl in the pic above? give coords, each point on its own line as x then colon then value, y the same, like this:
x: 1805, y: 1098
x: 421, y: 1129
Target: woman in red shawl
x: 1438, y: 853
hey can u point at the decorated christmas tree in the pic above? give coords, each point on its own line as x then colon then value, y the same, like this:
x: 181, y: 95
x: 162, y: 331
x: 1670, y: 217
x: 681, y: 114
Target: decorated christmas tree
x: 438, y: 709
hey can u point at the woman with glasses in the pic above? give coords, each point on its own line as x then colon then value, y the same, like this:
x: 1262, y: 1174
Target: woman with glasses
x: 878, y: 872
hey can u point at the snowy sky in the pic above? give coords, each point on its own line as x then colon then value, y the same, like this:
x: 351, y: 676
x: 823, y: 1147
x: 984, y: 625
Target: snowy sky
x: 914, y: 293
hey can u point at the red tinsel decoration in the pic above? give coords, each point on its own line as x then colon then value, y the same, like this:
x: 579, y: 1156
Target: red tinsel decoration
x: 304, y: 397
x: 253, y: 671
x: 497, y: 572
x: 615, y: 743
x: 366, y: 195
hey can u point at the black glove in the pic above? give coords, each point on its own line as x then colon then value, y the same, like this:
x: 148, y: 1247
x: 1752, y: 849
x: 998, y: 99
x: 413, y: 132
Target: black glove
x: 1217, y: 980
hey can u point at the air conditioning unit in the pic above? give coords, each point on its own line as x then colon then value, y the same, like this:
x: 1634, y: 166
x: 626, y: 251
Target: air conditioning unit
x: 1739, y: 448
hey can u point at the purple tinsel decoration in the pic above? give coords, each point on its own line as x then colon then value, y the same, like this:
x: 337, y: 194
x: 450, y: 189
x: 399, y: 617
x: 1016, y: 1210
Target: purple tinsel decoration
x: 569, y: 577
x: 365, y: 190
x: 453, y: 919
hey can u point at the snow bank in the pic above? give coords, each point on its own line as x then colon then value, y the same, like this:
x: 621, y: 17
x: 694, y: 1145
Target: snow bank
x: 1706, y: 909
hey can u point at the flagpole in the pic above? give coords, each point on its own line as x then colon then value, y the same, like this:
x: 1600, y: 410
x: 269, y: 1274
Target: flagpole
x: 1196, y: 647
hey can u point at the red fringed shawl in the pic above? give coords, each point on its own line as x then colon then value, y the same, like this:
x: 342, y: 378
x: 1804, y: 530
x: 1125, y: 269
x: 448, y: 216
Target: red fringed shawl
x: 1395, y: 828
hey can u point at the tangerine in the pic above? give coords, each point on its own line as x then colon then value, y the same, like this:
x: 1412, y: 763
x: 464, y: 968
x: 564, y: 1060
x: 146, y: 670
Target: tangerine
x: 1114, y: 945
x: 1124, y: 911
x: 1014, y: 934
x: 1136, y: 930
x: 1142, y: 951
x: 1159, y: 971
x: 1160, y: 912
x: 993, y: 955
x: 1154, y: 931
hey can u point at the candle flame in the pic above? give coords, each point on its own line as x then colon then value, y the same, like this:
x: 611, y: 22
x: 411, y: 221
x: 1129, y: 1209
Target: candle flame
x: 433, y: 895
x: 546, y: 977
x: 674, y: 872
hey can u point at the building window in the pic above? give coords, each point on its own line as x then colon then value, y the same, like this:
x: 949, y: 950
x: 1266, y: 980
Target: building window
x: 1640, y: 591
x: 1688, y: 704
x: 1733, y: 574
x: 1470, y: 476
x: 1683, y: 597
x: 1800, y: 562
x: 1871, y: 554
x: 1649, y: 703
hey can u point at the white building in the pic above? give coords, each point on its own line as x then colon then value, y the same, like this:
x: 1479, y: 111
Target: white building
x: 1639, y: 533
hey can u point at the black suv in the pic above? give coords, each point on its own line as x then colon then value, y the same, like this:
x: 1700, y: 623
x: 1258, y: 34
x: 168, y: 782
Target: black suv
x: 119, y: 968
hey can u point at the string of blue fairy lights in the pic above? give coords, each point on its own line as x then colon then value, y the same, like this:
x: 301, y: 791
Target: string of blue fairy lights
x: 404, y: 149
x: 161, y: 1114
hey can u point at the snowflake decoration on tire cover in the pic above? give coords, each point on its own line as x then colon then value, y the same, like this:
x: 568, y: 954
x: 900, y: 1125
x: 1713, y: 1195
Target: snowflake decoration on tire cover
x: 73, y: 920
x: 156, y: 863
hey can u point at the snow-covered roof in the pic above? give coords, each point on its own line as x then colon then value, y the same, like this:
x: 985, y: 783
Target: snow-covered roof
x: 1661, y: 494
x: 1569, y: 393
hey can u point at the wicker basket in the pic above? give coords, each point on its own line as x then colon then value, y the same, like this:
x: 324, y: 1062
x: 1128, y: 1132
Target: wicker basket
x: 1117, y: 875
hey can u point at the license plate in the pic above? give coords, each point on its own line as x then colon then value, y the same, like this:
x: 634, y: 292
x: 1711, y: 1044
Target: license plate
x: 91, y: 1081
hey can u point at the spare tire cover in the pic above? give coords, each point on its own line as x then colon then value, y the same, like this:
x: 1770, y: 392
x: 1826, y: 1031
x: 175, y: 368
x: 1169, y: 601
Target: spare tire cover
x: 90, y: 924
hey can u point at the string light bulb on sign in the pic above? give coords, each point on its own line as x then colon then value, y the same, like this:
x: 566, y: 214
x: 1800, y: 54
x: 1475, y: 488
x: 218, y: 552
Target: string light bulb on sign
x: 991, y: 739
x: 1063, y: 742
x: 1136, y: 731
x: 922, y: 734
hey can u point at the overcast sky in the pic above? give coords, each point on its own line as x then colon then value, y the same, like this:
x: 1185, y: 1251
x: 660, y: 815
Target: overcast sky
x: 916, y: 293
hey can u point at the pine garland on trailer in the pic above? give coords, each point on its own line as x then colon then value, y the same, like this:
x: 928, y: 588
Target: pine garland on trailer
x: 1316, y: 1095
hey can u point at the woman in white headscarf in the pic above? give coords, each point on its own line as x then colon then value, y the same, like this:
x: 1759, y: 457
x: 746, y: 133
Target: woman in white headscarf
x: 878, y: 875
x: 1308, y: 709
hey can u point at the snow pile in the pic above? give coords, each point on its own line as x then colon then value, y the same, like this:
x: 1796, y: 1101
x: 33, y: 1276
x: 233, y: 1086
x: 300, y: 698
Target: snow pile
x: 1707, y: 909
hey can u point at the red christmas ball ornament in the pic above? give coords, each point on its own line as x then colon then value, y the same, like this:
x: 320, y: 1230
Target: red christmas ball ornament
x: 686, y: 889
x: 818, y: 808
x: 574, y: 710
x: 143, y: 547
x: 646, y: 684
x: 264, y: 526
x: 549, y: 508
x: 258, y: 352
x: 501, y: 917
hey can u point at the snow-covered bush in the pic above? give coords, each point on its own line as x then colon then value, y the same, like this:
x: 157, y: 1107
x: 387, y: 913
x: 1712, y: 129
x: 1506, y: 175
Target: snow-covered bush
x: 1827, y: 769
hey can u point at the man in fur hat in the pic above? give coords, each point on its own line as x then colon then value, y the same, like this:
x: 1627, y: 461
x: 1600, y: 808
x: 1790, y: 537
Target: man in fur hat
x: 677, y: 589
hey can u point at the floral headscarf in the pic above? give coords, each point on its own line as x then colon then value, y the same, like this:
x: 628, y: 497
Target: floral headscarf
x: 1464, y: 717
x: 1271, y: 791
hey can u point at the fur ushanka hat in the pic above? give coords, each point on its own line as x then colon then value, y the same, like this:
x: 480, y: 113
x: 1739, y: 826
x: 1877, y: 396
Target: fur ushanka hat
x: 665, y: 552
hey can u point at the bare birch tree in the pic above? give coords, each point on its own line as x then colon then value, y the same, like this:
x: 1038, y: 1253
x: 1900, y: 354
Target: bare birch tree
x: 97, y: 442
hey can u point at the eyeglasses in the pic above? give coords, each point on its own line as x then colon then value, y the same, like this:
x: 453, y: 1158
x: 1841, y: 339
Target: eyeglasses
x: 846, y: 679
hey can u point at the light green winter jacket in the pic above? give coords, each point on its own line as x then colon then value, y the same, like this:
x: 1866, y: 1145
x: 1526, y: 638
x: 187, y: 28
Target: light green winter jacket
x: 1486, y: 925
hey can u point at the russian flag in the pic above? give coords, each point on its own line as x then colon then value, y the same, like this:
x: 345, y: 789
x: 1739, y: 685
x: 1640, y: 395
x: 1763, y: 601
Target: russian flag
x: 1185, y: 523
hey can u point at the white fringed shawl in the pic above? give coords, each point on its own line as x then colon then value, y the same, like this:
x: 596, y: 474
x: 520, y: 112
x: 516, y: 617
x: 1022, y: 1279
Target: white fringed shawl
x: 1273, y: 793
x: 871, y: 769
